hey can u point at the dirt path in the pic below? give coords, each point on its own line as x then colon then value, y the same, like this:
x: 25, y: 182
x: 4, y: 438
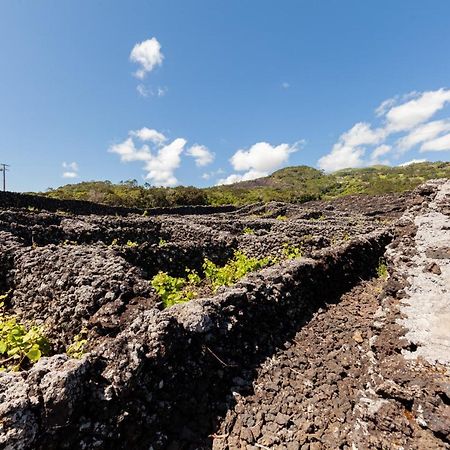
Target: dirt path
x: 341, y: 384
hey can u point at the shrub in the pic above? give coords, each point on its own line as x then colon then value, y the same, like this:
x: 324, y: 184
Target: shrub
x: 234, y: 270
x: 173, y: 290
x: 19, y: 345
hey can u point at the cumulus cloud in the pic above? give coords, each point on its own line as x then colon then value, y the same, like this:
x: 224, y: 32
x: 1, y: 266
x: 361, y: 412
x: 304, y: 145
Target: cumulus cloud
x: 259, y: 161
x: 378, y: 152
x: 147, y: 54
x: 147, y: 134
x: 70, y: 170
x: 423, y: 133
x: 262, y: 157
x: 202, y: 155
x: 408, y: 117
x: 413, y: 161
x: 342, y: 157
x: 438, y: 145
x: 236, y: 177
x: 416, y: 111
x: 161, y: 166
x: 381, y: 150
x: 160, y: 162
x: 349, y: 150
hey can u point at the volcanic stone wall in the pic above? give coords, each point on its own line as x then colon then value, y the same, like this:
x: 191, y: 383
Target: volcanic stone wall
x: 152, y: 376
x: 81, y: 207
x: 162, y: 381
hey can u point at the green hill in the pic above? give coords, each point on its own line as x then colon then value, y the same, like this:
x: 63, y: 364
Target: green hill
x: 291, y: 184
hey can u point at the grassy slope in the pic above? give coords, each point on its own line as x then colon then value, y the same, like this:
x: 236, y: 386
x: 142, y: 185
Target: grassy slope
x: 292, y: 184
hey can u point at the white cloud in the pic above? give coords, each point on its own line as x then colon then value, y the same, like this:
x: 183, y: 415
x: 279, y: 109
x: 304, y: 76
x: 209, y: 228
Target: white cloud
x: 259, y: 161
x: 416, y: 111
x: 143, y: 90
x: 262, y: 157
x: 161, y: 91
x: 377, y: 153
x: 147, y: 134
x: 361, y: 134
x: 214, y: 173
x: 161, y: 167
x: 381, y: 150
x: 413, y: 161
x: 437, y: 145
x: 236, y: 177
x: 409, y: 115
x: 71, y: 170
x: 285, y: 85
x: 148, y: 55
x: 202, y: 155
x: 385, y: 106
x: 160, y: 162
x: 147, y: 91
x: 70, y: 175
x: 348, y: 151
x: 128, y: 151
x: 342, y: 157
x: 423, y: 133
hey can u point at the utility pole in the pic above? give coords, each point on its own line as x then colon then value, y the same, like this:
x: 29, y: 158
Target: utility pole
x: 4, y: 168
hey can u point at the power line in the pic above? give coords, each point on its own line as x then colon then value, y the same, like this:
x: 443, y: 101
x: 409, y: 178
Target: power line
x: 4, y: 168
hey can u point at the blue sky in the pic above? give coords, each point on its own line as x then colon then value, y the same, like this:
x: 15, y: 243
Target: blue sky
x: 235, y: 89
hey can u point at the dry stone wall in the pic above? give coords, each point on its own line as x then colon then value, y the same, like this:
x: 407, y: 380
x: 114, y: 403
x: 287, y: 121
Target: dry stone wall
x: 156, y: 378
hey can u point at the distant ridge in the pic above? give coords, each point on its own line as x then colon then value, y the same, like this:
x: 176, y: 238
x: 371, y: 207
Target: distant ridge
x: 295, y: 184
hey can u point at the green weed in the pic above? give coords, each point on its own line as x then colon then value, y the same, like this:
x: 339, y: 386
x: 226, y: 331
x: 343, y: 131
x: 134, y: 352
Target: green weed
x: 234, y: 270
x: 173, y: 290
x: 19, y: 345
x: 292, y: 251
x: 76, y: 348
x: 382, y: 270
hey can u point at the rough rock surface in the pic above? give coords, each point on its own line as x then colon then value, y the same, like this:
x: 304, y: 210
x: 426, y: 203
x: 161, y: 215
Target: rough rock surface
x: 304, y: 354
x: 342, y: 381
x: 426, y: 306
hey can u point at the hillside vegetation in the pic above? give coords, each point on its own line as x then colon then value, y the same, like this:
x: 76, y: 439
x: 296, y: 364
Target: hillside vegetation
x: 292, y: 184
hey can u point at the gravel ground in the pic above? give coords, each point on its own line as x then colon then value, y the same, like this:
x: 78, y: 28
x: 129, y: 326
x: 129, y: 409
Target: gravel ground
x: 371, y: 371
x: 332, y: 388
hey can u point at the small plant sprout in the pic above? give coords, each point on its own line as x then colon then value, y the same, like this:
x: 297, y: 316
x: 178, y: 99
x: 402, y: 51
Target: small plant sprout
x: 291, y: 251
x: 76, y: 348
x: 3, y: 297
x: 162, y: 243
x: 193, y: 277
x: 282, y: 218
x: 20, y: 345
x: 248, y: 230
x: 382, y: 270
x: 132, y: 244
